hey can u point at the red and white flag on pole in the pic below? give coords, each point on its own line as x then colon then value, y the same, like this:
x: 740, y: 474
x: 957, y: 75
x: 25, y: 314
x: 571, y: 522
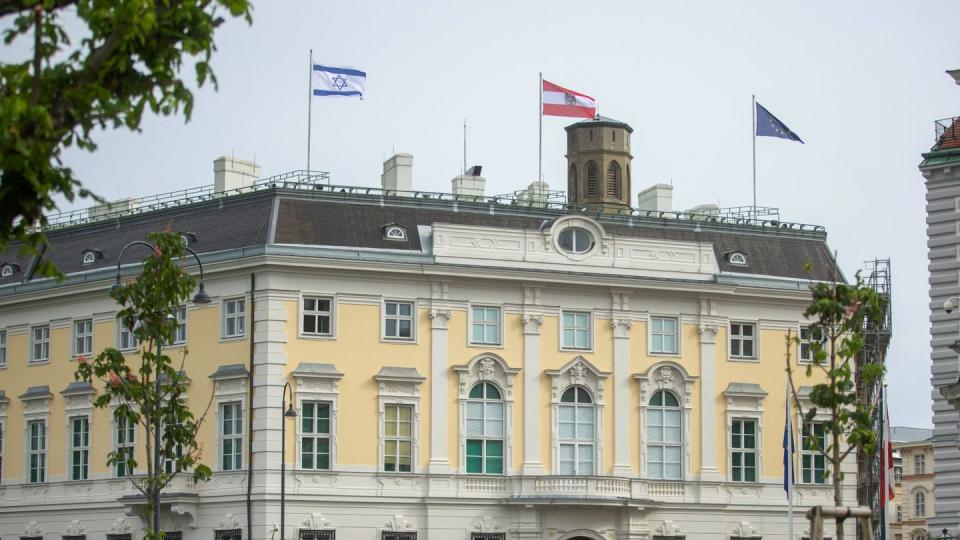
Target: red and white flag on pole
x: 886, y: 457
x: 559, y: 101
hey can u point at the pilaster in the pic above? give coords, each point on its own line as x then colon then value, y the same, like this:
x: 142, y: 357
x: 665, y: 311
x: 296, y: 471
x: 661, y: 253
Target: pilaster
x: 532, y: 320
x: 621, y: 395
x: 439, y: 323
x: 708, y: 329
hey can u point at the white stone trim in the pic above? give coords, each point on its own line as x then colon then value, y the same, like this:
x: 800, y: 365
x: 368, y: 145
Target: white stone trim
x: 667, y: 375
x: 745, y: 406
x: 403, y: 392
x: 591, y: 331
x: 679, y: 335
x: 230, y: 390
x: 500, y: 329
x: 486, y: 367
x: 223, y: 317
x: 414, y: 320
x: 317, y: 387
x: 334, y: 312
x: 577, y: 372
x: 756, y: 341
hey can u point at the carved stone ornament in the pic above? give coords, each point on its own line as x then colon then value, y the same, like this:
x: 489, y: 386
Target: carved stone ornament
x: 75, y: 528
x: 668, y: 528
x: 119, y: 526
x: 665, y: 376
x: 621, y: 327
x: 32, y: 529
x: 744, y: 530
x: 229, y: 521
x: 487, y: 368
x: 532, y: 322
x: 487, y: 524
x: 398, y: 523
x: 578, y: 373
x: 316, y: 521
x: 440, y: 317
x: 708, y: 333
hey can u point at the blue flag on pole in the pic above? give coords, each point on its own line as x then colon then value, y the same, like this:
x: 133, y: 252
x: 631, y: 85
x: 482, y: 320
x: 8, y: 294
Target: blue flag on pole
x: 337, y: 81
x: 769, y: 125
x: 788, y: 450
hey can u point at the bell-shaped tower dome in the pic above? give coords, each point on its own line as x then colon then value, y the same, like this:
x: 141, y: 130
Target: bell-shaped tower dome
x: 598, y: 165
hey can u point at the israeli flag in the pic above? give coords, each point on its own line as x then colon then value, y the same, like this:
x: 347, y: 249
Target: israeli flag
x: 337, y: 81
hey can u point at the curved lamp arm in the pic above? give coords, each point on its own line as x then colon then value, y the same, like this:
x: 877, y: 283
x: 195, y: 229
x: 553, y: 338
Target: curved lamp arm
x: 200, y: 298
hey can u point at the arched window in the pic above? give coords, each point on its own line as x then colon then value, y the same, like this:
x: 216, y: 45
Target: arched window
x: 577, y: 430
x: 613, y: 180
x: 484, y: 423
x: 593, y: 179
x: 664, y: 437
x: 572, y: 184
x: 919, y: 505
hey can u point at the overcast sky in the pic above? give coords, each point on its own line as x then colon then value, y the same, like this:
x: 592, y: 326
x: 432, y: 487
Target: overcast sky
x: 860, y: 81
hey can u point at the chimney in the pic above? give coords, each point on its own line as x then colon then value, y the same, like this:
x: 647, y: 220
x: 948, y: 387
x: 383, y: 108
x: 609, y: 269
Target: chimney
x: 230, y: 173
x: 118, y: 207
x: 658, y: 198
x: 469, y: 184
x: 704, y: 211
x: 398, y: 174
x: 535, y: 195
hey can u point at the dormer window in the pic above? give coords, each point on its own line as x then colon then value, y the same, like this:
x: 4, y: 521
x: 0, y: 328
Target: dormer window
x: 8, y: 270
x: 187, y: 238
x: 90, y: 256
x: 394, y: 232
x: 737, y: 258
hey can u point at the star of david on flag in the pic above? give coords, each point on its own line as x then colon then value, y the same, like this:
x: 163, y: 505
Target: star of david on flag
x: 769, y: 125
x: 337, y: 81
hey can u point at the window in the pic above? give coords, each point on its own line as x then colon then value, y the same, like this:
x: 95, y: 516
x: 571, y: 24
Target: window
x: 593, y: 179
x: 394, y: 232
x: 121, y: 536
x: 6, y: 271
x: 488, y: 536
x: 173, y: 535
x: 576, y: 330
x: 170, y: 464
x: 664, y: 437
x: 82, y: 337
x: 180, y: 334
x: 575, y: 240
x: 397, y: 438
x: 813, y: 466
x: 317, y: 316
x: 738, y: 259
x: 484, y: 424
x: 89, y: 257
x: 398, y: 320
x: 485, y: 326
x: 3, y: 348
x: 316, y: 534
x: 919, y: 504
x: 228, y: 534
x: 231, y: 436
x: 806, y: 353
x: 742, y: 340
x: 743, y: 450
x: 73, y: 537
x: 37, y: 451
x: 663, y: 335
x: 1, y: 451
x: 919, y: 464
x: 40, y: 343
x: 79, y: 447
x: 613, y: 179
x: 897, y: 471
x: 577, y: 433
x: 126, y: 441
x: 394, y: 535
x: 899, y: 513
x: 128, y: 340
x: 315, y: 435
x: 234, y: 317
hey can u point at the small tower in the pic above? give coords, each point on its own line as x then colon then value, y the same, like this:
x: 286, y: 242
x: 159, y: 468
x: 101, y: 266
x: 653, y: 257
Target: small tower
x: 598, y: 165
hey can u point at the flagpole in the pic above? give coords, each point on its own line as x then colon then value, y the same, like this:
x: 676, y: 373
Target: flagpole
x: 753, y: 109
x: 309, y: 108
x: 884, y: 457
x: 540, y: 147
x: 789, y: 468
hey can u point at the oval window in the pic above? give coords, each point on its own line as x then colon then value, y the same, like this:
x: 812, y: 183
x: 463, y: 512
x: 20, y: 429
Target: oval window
x: 575, y: 240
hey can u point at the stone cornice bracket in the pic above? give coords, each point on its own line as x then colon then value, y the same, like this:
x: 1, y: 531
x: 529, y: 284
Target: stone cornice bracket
x: 708, y: 332
x: 531, y: 295
x: 440, y: 318
x: 531, y: 323
x: 621, y: 327
x: 439, y: 290
x: 708, y: 307
x: 620, y: 299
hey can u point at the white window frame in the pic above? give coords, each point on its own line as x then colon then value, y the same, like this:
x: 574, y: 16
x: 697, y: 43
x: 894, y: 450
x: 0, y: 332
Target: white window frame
x: 397, y: 438
x: 589, y: 330
x: 813, y: 455
x: 745, y: 404
x: 180, y: 338
x: 43, y: 452
x: 676, y: 335
x: 121, y: 330
x: 3, y: 348
x: 240, y: 316
x: 85, y: 334
x: 737, y: 259
x: 314, y: 434
x: 667, y: 375
x: 44, y: 342
x: 399, y: 390
x: 485, y: 323
x: 755, y: 339
x: 899, y: 513
x: 919, y: 464
x: 316, y: 313
x: 576, y: 442
x: 6, y: 270
x: 89, y: 257
x: 413, y: 320
x: 578, y: 372
x: 486, y: 367
x: 744, y: 451
x: 3, y: 437
x: 919, y: 510
x: 73, y: 449
x: 229, y: 389
x: 664, y: 444
x: 236, y: 439
x: 808, y: 341
x: 127, y: 445
x: 323, y: 387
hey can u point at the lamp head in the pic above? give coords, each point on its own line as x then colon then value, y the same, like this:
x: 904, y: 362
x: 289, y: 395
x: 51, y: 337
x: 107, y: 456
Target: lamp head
x: 116, y: 287
x: 291, y: 413
x: 201, y: 297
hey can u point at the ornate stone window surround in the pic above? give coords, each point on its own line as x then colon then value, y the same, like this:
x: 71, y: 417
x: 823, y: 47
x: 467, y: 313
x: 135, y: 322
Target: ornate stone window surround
x: 397, y: 386
x: 314, y: 522
x: 334, y: 319
x: 230, y: 386
x: 414, y: 325
x: 649, y: 322
x: 486, y: 367
x: 397, y: 523
x: 601, y: 240
x: 671, y: 376
x: 317, y: 382
x: 745, y: 402
x: 79, y: 402
x: 577, y: 372
x: 36, y: 407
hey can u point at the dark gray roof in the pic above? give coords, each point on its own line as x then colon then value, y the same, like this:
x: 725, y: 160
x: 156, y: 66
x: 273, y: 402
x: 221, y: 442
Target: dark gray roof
x: 399, y: 374
x: 312, y: 369
x: 600, y: 120
x: 749, y: 389
x: 910, y: 434
x: 78, y: 387
x: 230, y: 371
x: 36, y: 392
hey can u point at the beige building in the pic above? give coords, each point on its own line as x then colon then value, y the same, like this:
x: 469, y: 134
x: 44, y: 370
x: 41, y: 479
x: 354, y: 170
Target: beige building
x: 913, y: 503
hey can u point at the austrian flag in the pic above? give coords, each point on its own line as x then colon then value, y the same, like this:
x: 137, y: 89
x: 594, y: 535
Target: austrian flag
x: 558, y: 101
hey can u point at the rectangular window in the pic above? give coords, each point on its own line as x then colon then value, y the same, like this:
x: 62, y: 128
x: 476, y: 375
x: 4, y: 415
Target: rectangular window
x: 317, y: 316
x: 398, y: 320
x: 396, y: 535
x: 1, y: 451
x: 897, y: 467
x: 83, y: 337
x: 121, y: 536
x: 316, y: 534
x: 170, y: 464
x: 919, y: 464
x: 315, y: 435
x: 37, y: 451
x: 813, y: 463
x: 576, y: 330
x: 743, y: 450
x: 485, y: 430
x: 576, y: 445
x: 3, y: 348
x: 228, y: 534
x: 663, y: 335
x: 485, y: 325
x: 126, y: 441
x: 742, y: 340
x: 397, y: 438
x: 231, y: 436
x: 234, y: 317
x: 806, y: 353
x: 79, y: 447
x: 73, y: 537
x: 173, y: 535
x: 180, y: 334
x: 899, y: 514
x: 488, y: 536
x: 40, y: 343
x: 128, y: 341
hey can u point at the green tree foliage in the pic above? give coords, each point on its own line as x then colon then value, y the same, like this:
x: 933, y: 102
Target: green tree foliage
x: 839, y: 313
x: 147, y: 305
x: 127, y: 59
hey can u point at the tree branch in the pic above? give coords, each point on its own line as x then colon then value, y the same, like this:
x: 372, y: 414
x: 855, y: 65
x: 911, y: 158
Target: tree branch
x: 12, y: 7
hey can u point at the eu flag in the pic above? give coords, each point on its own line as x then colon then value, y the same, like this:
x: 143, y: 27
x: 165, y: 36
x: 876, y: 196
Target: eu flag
x: 769, y: 125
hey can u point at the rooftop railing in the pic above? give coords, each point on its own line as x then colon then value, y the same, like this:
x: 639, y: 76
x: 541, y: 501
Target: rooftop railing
x: 947, y: 132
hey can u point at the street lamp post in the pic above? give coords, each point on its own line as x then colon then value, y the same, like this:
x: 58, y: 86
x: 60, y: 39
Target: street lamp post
x: 289, y: 413
x: 945, y: 535
x: 200, y: 298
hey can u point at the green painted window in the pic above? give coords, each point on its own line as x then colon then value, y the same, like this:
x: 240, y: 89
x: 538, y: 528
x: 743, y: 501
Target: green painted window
x: 485, y: 430
x: 743, y: 450
x: 126, y: 439
x: 79, y: 447
x: 231, y: 436
x: 315, y: 435
x: 813, y: 463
